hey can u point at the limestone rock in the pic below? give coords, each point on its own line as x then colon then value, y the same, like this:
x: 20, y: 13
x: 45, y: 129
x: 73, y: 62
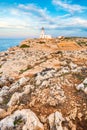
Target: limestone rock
x: 26, y: 115
x: 85, y: 90
x: 45, y: 74
x: 85, y: 81
x: 55, y: 121
x: 56, y: 95
x: 18, y: 84
x: 2, y: 112
x: 4, y: 91
x: 23, y: 81
x: 14, y: 99
x: 72, y: 65
x: 28, y: 88
x: 80, y: 87
x: 5, y: 80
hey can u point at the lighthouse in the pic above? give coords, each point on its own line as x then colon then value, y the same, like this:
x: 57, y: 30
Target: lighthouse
x: 42, y: 35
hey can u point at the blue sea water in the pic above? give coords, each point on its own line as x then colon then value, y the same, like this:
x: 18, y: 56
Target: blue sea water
x: 7, y: 43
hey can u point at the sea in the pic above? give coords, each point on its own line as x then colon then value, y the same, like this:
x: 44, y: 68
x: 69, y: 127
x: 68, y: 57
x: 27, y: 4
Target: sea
x: 5, y: 44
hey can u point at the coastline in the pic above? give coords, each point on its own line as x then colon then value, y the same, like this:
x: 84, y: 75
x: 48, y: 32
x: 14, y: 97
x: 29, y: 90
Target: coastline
x: 5, y: 44
x: 44, y: 80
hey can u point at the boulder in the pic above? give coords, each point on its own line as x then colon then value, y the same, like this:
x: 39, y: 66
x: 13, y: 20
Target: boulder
x: 55, y: 121
x: 5, y: 80
x: 2, y: 112
x: 64, y: 70
x: 85, y: 81
x: 14, y: 99
x: 28, y: 88
x: 85, y: 90
x: 21, y: 82
x: 80, y: 86
x: 3, y: 92
x: 83, y: 86
x: 44, y: 74
x: 31, y: 122
x: 72, y: 65
x: 56, y: 95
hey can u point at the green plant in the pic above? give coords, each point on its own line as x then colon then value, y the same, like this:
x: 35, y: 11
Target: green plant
x: 1, y: 72
x: 24, y: 46
x: 41, y: 42
x: 64, y: 74
x: 22, y: 71
x: 79, y: 76
x: 82, y: 43
x: 0, y: 66
x: 59, y: 52
x: 6, y: 99
x: 18, y: 121
x: 85, y: 85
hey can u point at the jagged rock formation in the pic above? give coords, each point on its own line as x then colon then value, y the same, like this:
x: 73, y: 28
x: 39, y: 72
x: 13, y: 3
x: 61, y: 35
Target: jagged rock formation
x: 55, y: 121
x: 43, y: 86
x: 24, y: 117
x: 83, y: 86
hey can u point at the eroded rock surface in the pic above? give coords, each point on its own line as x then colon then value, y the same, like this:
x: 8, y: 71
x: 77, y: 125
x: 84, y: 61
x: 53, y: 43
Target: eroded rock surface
x: 44, y: 86
x: 25, y: 117
x: 55, y: 121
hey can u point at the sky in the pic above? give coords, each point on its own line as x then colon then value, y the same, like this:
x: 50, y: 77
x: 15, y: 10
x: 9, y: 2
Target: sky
x: 25, y: 18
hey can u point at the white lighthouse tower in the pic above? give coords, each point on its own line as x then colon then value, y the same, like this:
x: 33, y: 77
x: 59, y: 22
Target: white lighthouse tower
x: 42, y: 35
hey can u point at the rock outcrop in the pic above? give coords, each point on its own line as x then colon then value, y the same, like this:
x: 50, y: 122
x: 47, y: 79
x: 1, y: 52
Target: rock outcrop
x: 55, y: 121
x: 44, y: 86
x: 82, y: 86
x: 25, y: 117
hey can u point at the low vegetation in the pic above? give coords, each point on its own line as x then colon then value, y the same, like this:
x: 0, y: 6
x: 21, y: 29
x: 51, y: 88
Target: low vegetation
x: 79, y: 76
x: 0, y: 66
x: 41, y: 42
x: 82, y: 43
x: 24, y: 70
x: 24, y: 46
x: 18, y: 121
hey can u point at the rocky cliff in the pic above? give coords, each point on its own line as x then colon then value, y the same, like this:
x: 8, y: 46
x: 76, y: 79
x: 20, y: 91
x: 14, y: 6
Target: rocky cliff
x: 43, y: 85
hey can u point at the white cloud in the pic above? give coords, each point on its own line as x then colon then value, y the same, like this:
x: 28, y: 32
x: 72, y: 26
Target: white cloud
x: 28, y: 19
x: 72, y: 8
x: 14, y: 11
x: 40, y: 13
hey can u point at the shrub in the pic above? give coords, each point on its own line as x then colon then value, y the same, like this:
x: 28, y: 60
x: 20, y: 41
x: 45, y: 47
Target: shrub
x: 82, y: 43
x: 28, y: 67
x: 79, y: 76
x: 18, y: 121
x: 0, y: 66
x: 59, y: 52
x: 24, y: 46
x: 41, y: 42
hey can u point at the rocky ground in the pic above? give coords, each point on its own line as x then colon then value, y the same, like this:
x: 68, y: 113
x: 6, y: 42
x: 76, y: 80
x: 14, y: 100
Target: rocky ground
x: 43, y: 85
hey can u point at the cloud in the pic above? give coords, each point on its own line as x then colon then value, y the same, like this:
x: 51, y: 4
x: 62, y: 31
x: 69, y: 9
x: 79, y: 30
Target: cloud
x: 40, y: 13
x: 27, y: 19
x: 72, y: 8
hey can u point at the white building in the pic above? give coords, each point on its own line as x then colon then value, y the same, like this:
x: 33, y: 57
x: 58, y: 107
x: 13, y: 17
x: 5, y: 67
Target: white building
x: 61, y: 37
x: 43, y: 36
